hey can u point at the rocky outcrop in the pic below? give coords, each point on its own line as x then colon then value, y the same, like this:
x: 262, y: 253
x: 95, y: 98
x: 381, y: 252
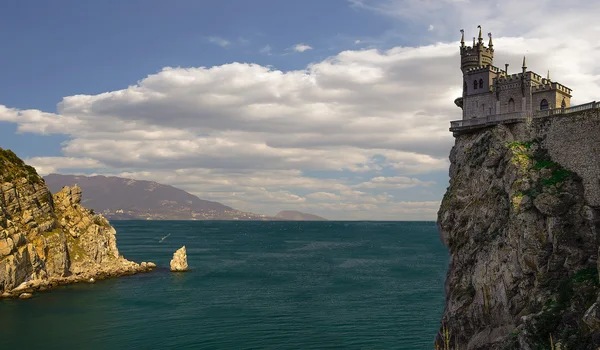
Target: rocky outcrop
x: 179, y: 261
x: 522, y: 238
x: 48, y: 240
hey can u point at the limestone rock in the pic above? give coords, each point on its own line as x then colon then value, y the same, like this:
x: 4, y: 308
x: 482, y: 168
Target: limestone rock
x: 179, y: 261
x: 47, y: 240
x: 592, y: 317
x: 522, y: 238
x: 25, y: 295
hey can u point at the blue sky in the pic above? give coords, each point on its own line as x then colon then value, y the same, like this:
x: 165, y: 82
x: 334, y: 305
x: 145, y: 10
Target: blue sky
x: 337, y: 107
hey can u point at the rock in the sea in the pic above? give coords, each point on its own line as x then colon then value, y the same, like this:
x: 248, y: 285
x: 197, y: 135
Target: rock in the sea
x: 92, y: 280
x: 49, y: 240
x: 179, y: 261
x: 151, y: 265
x: 25, y: 295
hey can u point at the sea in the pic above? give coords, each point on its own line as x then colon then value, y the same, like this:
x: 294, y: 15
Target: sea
x: 252, y: 285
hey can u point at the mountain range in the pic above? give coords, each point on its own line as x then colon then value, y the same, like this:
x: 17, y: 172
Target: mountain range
x: 120, y: 198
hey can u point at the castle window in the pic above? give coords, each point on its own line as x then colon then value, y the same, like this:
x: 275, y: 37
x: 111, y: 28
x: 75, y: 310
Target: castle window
x: 483, y: 108
x: 465, y: 87
x: 511, y: 105
x: 563, y: 104
x: 481, y: 83
x: 543, y: 105
x: 475, y: 85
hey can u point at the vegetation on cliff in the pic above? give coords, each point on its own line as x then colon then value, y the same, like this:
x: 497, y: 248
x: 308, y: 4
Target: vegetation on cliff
x: 523, y: 247
x: 48, y: 240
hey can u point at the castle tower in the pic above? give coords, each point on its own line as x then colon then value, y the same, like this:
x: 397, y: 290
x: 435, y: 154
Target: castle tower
x: 489, y: 91
x: 476, y: 56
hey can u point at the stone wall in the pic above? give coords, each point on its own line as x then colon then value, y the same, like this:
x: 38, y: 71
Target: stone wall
x: 479, y: 105
x: 554, y: 98
x: 521, y: 219
x: 573, y: 141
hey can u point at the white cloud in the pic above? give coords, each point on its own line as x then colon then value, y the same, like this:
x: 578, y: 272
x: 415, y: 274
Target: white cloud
x: 357, y: 41
x: 266, y: 49
x: 430, y: 28
x: 302, y: 48
x: 397, y: 182
x: 48, y: 165
x: 219, y: 41
x: 328, y: 138
x: 324, y: 196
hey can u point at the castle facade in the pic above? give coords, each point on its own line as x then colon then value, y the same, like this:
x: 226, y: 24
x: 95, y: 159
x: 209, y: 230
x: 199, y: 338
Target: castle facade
x: 489, y: 90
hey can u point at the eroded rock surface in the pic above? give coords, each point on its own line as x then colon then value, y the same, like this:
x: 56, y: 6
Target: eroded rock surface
x: 523, y: 247
x: 179, y: 261
x: 50, y: 240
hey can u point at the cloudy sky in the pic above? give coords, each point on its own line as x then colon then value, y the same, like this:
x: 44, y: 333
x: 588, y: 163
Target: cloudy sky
x: 339, y: 108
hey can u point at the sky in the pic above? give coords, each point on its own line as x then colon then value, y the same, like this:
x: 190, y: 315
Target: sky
x: 339, y: 108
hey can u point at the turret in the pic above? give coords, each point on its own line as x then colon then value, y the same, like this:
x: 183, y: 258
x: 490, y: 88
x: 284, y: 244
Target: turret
x: 477, y: 55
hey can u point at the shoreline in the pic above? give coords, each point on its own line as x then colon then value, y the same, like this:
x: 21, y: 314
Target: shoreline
x: 26, y: 289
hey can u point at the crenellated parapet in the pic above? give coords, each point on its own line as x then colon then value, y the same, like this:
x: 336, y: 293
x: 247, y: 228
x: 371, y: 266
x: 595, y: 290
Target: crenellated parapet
x: 477, y: 55
x: 489, y: 90
x: 552, y: 86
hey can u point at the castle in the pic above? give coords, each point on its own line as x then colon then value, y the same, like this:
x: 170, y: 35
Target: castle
x: 491, y: 95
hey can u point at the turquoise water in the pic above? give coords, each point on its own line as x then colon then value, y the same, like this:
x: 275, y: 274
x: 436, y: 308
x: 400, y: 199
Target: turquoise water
x: 254, y: 285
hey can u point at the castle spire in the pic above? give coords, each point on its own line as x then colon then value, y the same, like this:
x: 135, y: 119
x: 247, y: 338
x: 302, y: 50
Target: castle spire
x: 524, y: 65
x: 490, y: 44
x: 548, y: 76
x: 480, y: 37
x: 462, y: 38
x: 473, y: 41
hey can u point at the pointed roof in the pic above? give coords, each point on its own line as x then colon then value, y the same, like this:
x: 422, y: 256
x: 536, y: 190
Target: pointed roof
x: 524, y: 65
x: 462, y: 38
x: 490, y: 44
x: 480, y: 37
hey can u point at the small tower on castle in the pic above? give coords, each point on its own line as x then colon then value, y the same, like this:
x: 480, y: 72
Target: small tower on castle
x: 477, y: 65
x: 476, y: 56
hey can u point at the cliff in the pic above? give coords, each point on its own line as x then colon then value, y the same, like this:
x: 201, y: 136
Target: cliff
x: 520, y: 219
x: 50, y: 240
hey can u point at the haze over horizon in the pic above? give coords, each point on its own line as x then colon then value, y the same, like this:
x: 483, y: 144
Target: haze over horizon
x: 337, y: 108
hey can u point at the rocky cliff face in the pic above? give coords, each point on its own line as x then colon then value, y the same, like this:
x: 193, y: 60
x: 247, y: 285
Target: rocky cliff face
x: 522, y: 231
x: 49, y: 240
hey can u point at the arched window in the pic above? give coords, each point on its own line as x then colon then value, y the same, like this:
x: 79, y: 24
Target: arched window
x: 475, y: 85
x: 543, y: 105
x: 511, y: 105
x: 481, y: 83
x: 563, y: 104
x: 465, y: 87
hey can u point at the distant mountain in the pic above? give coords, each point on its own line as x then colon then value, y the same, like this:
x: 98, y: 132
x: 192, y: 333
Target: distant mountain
x: 298, y: 216
x: 123, y: 199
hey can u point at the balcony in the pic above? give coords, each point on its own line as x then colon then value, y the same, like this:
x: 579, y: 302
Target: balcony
x: 459, y: 126
x: 467, y: 125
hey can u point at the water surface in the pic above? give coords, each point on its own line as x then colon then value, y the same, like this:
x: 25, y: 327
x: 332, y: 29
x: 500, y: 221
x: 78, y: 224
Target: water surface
x: 254, y: 285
